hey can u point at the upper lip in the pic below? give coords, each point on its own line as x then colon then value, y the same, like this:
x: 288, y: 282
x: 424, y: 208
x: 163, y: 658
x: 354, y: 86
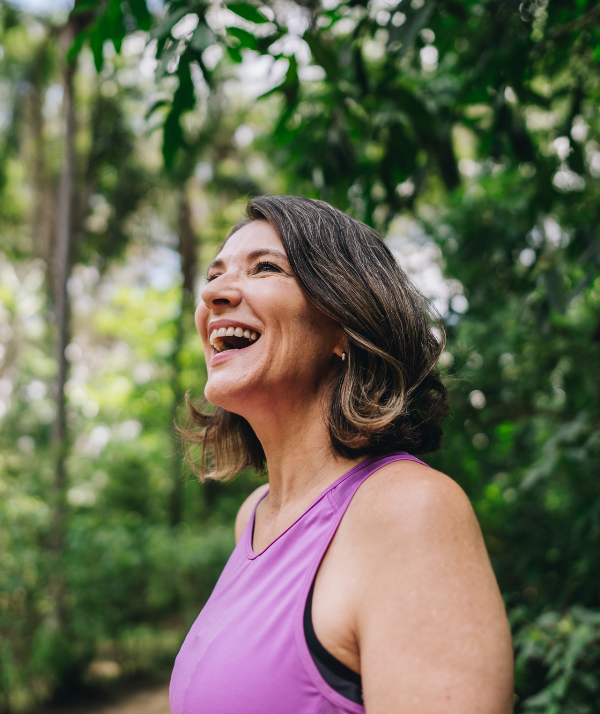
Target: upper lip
x: 224, y: 322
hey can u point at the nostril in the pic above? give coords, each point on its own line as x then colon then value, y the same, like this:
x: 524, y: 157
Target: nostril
x: 220, y: 301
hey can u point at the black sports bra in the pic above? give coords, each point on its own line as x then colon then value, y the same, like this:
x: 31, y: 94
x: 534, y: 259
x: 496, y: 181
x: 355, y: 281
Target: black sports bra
x: 344, y: 680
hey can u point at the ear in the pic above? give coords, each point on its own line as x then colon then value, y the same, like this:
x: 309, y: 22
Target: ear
x: 341, y: 345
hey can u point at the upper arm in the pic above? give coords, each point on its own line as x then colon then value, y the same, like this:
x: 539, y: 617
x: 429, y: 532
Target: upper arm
x: 431, y: 625
x: 246, y: 509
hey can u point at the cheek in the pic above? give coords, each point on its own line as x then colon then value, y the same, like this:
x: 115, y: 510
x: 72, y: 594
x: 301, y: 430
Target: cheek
x: 200, y: 318
x: 307, y: 338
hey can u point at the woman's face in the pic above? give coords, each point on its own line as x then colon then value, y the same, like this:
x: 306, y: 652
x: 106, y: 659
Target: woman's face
x: 266, y: 344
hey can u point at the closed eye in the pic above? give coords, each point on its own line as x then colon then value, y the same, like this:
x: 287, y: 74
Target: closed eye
x: 212, y: 277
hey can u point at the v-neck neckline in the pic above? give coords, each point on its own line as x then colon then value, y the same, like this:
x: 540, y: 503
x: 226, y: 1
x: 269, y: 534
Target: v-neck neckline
x: 249, y: 532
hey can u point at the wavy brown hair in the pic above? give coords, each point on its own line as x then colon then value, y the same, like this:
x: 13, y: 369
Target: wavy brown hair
x: 387, y: 396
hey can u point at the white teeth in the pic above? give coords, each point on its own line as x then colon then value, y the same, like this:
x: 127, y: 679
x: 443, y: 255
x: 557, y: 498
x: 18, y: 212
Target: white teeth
x: 221, y: 346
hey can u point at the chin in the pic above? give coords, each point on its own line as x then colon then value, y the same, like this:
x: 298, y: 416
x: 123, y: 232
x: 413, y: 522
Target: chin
x: 225, y: 394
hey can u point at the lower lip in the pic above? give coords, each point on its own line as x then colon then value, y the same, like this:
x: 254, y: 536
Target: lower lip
x: 218, y: 357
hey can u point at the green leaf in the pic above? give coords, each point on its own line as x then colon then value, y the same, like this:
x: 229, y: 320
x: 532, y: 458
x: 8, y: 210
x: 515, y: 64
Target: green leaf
x: 75, y: 48
x: 248, y: 12
x: 140, y: 11
x: 235, y: 54
x: 246, y: 39
x: 184, y: 99
x: 99, y: 34
x: 116, y: 26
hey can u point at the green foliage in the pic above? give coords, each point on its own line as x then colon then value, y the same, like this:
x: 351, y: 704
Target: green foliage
x: 175, y: 54
x: 116, y: 178
x: 109, y: 20
x: 568, y: 646
x: 124, y: 565
x: 136, y: 563
x: 469, y: 128
x: 183, y: 100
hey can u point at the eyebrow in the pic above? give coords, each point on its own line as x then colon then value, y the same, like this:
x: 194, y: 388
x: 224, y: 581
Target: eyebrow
x: 258, y: 253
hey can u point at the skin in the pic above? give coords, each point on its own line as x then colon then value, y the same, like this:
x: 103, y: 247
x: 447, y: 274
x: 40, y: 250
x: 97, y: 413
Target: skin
x: 405, y: 594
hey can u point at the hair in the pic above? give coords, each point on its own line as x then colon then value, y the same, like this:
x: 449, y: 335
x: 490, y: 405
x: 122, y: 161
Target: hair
x: 387, y: 396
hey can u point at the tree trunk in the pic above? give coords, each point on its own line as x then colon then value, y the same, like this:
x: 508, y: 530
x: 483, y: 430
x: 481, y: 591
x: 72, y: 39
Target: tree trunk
x: 60, y: 268
x: 43, y: 218
x: 187, y: 257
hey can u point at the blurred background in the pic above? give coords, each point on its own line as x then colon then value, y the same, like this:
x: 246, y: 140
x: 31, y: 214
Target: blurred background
x: 131, y: 135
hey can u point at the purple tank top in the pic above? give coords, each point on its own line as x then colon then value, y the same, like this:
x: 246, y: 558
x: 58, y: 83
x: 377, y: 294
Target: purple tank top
x: 247, y: 653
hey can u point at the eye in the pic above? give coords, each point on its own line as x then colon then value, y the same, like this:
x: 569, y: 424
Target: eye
x: 264, y: 267
x: 209, y: 278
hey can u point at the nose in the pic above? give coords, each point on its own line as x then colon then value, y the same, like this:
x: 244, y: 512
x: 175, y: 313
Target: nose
x: 220, y: 293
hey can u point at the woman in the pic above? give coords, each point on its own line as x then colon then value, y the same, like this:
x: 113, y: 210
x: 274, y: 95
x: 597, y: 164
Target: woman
x: 360, y: 581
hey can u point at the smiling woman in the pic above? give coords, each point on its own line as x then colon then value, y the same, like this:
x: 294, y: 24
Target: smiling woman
x: 388, y: 396
x: 360, y: 581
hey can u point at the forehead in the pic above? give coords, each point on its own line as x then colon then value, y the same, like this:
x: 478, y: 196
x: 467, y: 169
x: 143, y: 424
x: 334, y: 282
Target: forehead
x: 257, y: 235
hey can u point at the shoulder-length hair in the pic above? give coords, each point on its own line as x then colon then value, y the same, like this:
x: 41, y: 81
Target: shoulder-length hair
x: 387, y: 396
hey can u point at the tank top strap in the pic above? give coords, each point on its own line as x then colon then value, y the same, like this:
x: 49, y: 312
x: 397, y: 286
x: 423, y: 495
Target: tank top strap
x: 341, y: 493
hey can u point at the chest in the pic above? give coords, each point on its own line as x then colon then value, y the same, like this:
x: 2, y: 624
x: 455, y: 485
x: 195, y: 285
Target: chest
x: 248, y: 644
x: 338, y: 584
x: 242, y: 636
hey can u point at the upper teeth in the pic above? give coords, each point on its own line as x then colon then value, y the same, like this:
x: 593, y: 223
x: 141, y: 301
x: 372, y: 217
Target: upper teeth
x: 231, y: 332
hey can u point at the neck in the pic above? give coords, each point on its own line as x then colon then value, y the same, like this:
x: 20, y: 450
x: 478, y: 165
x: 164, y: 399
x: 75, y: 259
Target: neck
x: 301, y: 460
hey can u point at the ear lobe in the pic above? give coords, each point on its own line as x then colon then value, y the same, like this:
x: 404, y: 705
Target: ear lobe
x: 342, y: 347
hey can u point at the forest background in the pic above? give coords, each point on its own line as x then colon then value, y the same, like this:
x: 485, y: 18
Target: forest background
x: 131, y: 134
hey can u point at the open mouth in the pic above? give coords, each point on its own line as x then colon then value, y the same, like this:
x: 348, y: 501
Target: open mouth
x: 229, y: 339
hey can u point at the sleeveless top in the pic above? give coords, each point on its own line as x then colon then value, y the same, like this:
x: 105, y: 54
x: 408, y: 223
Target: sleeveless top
x: 247, y: 652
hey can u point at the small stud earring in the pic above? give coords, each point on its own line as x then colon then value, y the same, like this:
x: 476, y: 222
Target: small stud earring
x: 343, y: 356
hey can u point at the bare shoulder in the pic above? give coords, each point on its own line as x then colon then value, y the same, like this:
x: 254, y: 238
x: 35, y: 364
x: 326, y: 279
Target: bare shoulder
x: 430, y: 608
x: 406, y: 499
x: 407, y: 517
x: 246, y: 509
